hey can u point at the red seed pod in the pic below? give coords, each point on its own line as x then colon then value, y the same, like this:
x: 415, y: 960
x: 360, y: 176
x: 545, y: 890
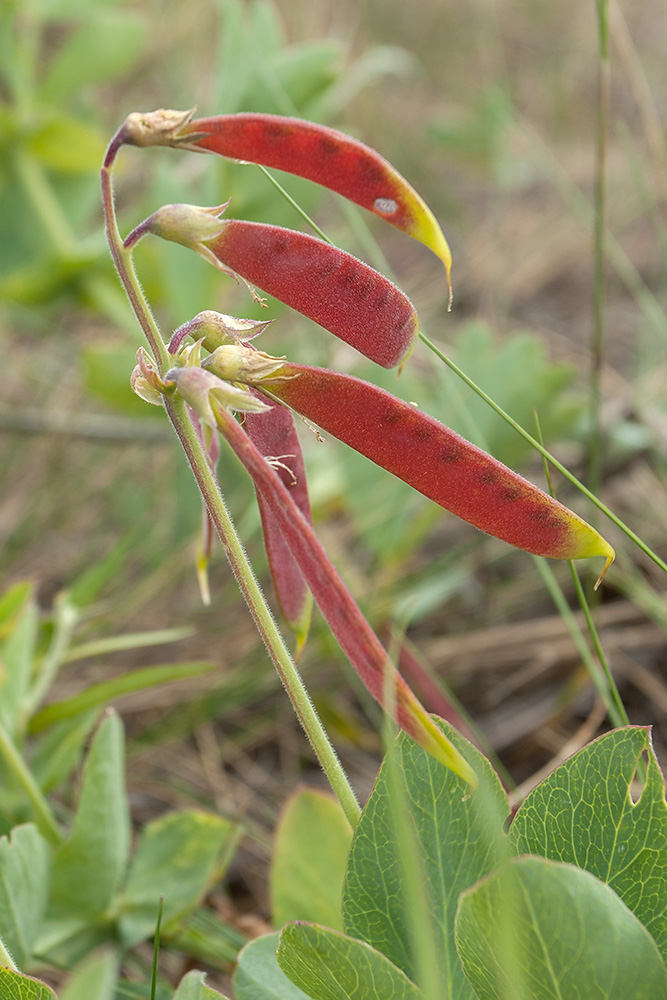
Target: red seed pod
x: 329, y: 158
x: 438, y: 462
x: 342, y: 294
x: 275, y: 437
x: 354, y: 634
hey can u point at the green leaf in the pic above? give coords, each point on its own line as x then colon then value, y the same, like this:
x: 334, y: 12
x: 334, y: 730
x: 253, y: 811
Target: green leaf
x: 106, y: 372
x: 59, y: 752
x: 101, y: 694
x: 258, y: 975
x: 24, y: 885
x: 94, y: 979
x: 88, y: 868
x: 68, y: 146
x: 17, y: 656
x: 179, y: 857
x: 540, y: 930
x: 308, y: 866
x: 193, y: 987
x: 583, y: 813
x: 14, y: 986
x: 101, y: 49
x: 12, y: 602
x: 207, y: 939
x: 423, y: 838
x: 330, y: 966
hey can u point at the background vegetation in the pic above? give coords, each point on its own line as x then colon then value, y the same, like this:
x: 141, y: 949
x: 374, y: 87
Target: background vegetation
x: 489, y: 108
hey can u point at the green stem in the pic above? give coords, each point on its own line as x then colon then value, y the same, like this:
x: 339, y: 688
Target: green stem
x: 613, y: 700
x: 219, y: 515
x: 596, y: 443
x: 260, y: 611
x: 44, y: 818
x: 545, y: 454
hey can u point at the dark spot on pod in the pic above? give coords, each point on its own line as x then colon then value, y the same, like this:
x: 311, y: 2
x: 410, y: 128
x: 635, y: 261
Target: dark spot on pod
x: 329, y: 146
x: 488, y: 476
x: 276, y: 130
x: 280, y: 246
x: 510, y: 493
x: 450, y: 455
x: 392, y: 416
x: 422, y: 433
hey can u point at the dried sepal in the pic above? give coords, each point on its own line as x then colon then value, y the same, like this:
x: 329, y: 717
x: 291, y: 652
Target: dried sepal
x: 192, y: 227
x: 215, y: 329
x: 199, y: 387
x: 237, y: 363
x: 163, y: 127
x: 146, y: 382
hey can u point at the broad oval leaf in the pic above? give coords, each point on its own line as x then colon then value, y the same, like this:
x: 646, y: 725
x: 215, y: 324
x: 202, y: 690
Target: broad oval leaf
x: 420, y: 842
x: 328, y: 965
x: 258, y: 975
x: 15, y: 986
x: 309, y: 857
x: 584, y: 813
x: 540, y: 929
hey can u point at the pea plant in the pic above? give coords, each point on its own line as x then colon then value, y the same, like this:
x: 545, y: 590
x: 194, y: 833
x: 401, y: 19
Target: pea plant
x: 428, y: 892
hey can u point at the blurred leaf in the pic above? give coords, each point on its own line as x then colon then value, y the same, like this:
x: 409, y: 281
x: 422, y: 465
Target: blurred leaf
x: 58, y: 753
x: 258, y: 975
x: 193, y: 987
x: 88, y: 585
x: 330, y: 966
x: 68, y: 145
x: 24, y: 885
x: 520, y: 377
x: 308, y: 865
x: 308, y: 70
x: 106, y: 373
x: 88, y: 868
x: 15, y: 986
x: 584, y: 813
x: 17, y: 656
x: 480, y: 138
x: 101, y: 694
x: 94, y: 979
x: 206, y: 938
x: 179, y: 857
x: 13, y: 602
x: 100, y: 49
x: 449, y: 839
x: 542, y: 929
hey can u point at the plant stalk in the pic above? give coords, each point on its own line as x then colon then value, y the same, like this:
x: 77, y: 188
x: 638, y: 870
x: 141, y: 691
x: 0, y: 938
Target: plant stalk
x: 44, y: 818
x: 596, y: 441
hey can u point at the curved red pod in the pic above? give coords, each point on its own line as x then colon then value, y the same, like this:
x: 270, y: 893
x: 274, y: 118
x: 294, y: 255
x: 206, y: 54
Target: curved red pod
x: 275, y: 437
x: 341, y: 293
x: 438, y: 462
x: 353, y: 633
x: 328, y: 157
